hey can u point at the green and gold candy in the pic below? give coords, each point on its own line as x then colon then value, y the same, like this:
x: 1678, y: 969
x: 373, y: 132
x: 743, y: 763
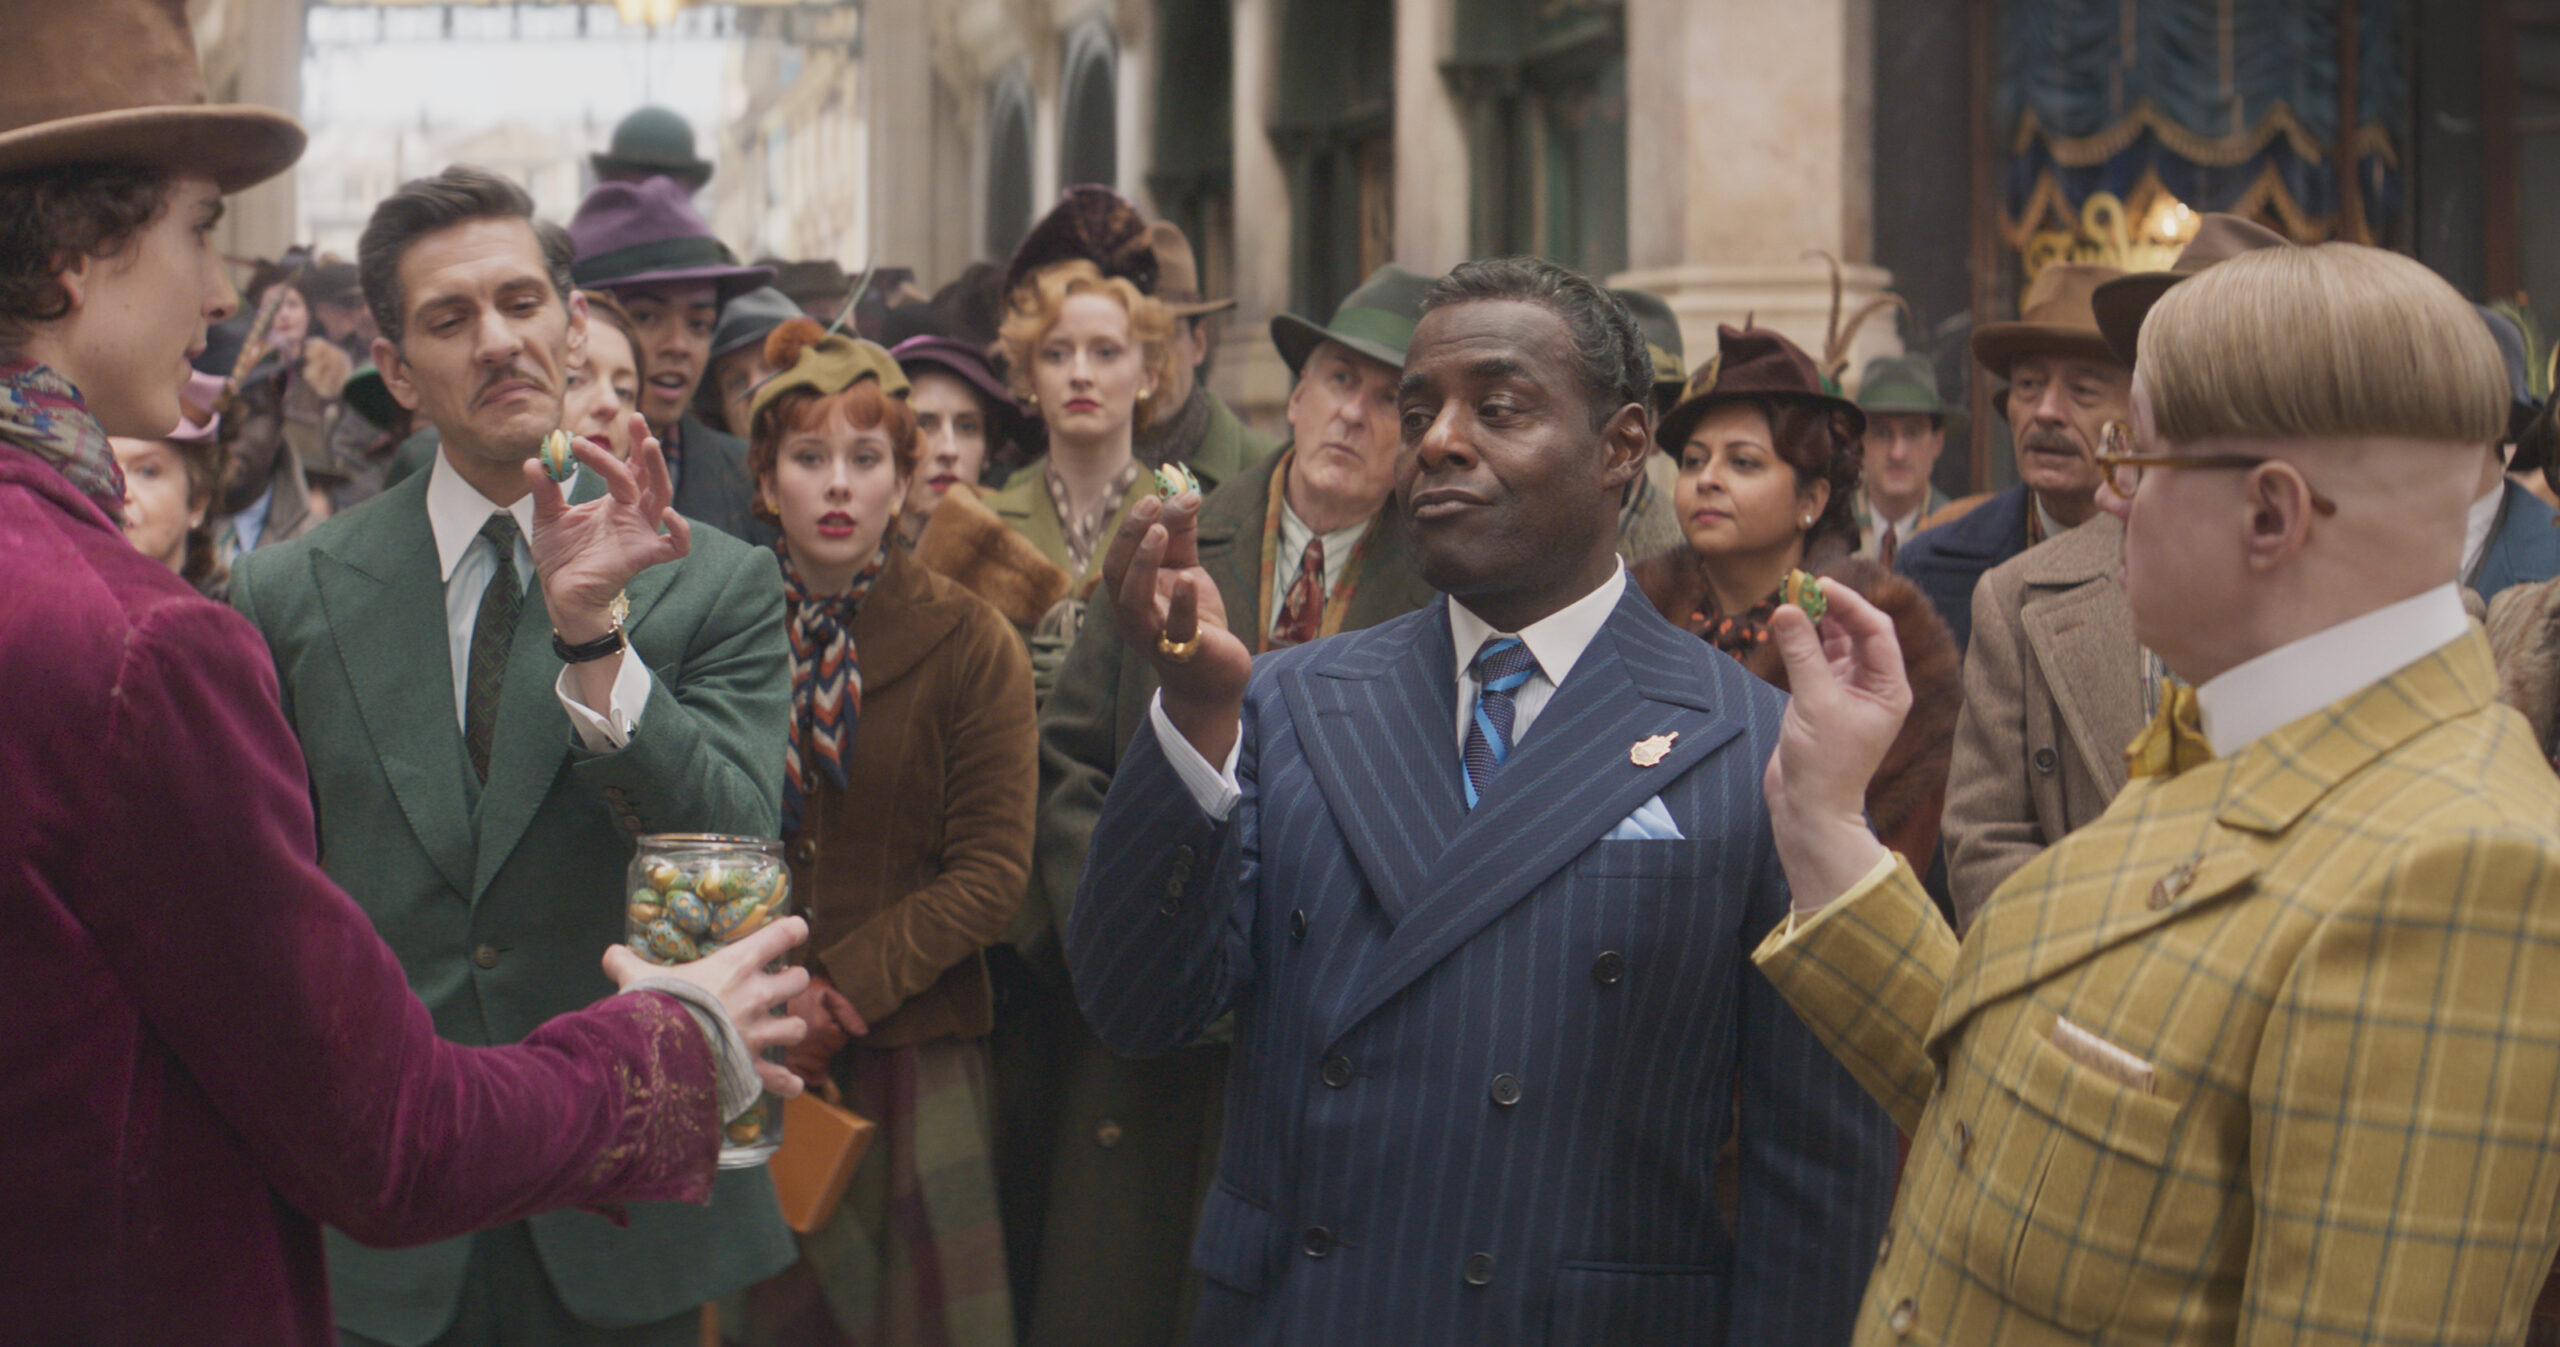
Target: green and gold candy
x: 557, y: 458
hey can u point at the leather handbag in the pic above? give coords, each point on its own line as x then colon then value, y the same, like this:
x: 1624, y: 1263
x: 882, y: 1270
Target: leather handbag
x: 822, y: 1143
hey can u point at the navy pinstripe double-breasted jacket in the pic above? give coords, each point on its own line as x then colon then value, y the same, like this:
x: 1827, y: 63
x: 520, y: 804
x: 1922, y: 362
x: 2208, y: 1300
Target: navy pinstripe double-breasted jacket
x: 1485, y: 1061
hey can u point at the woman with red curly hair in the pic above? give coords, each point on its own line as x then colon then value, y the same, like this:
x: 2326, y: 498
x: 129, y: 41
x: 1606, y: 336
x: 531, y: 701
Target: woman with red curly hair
x: 907, y: 796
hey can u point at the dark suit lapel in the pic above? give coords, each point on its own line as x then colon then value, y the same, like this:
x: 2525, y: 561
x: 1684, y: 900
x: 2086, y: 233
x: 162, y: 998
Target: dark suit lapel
x: 1376, y: 723
x: 384, y: 602
x: 1231, y: 549
x: 1570, y: 780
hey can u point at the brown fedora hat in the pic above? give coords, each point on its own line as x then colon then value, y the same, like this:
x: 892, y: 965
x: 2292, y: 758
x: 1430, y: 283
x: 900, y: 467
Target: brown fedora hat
x: 1178, y: 273
x: 115, y: 82
x: 2121, y: 304
x: 2053, y: 319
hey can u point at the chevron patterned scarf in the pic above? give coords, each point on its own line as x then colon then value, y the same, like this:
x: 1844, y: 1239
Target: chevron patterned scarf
x: 826, y: 681
x: 42, y: 413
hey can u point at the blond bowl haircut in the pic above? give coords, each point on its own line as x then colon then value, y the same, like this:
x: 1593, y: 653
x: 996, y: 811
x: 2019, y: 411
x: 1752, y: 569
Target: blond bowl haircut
x: 1033, y: 307
x: 2328, y: 343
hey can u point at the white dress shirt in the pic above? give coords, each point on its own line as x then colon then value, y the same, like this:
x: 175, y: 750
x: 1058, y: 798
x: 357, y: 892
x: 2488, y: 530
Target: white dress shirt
x: 1294, y: 533
x: 2253, y: 699
x: 1557, y: 640
x: 457, y: 511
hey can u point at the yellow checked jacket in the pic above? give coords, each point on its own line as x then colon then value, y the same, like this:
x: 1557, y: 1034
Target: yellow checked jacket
x: 2336, y: 957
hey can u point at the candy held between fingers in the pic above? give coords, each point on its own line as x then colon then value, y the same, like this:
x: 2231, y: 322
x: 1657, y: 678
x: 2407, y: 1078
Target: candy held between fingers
x: 1173, y: 479
x: 557, y: 460
x: 1805, y: 592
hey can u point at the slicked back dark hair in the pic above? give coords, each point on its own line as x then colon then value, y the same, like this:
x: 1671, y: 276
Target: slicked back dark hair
x: 460, y: 194
x: 1608, y: 347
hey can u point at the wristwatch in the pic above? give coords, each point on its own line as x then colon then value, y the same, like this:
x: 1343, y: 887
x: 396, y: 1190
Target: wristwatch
x: 609, y: 643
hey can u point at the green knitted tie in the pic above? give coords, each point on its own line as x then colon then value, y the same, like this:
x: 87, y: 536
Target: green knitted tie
x: 491, y: 633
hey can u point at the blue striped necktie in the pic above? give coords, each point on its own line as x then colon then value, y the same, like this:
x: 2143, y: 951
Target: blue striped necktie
x: 1501, y: 666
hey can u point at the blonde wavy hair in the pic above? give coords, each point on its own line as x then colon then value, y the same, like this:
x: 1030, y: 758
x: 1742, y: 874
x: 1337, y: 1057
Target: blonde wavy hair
x: 1033, y: 308
x: 2334, y: 342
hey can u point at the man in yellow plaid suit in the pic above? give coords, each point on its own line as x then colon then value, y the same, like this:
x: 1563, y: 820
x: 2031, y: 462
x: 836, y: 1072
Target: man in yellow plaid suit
x: 2270, y: 1053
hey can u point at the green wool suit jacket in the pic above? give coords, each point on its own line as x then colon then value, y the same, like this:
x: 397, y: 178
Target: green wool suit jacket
x: 501, y: 899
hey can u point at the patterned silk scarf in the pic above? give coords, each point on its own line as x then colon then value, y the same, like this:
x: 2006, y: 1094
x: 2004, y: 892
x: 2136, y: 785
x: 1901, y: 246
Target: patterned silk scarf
x: 1083, y: 533
x: 44, y: 415
x: 826, y: 680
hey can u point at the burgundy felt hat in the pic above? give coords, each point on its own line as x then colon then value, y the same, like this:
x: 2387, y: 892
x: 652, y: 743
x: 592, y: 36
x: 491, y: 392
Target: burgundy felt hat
x: 648, y: 233
x: 1093, y: 223
x: 1750, y: 362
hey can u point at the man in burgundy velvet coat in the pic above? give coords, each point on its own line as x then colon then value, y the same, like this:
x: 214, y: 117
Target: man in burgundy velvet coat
x: 209, y: 1051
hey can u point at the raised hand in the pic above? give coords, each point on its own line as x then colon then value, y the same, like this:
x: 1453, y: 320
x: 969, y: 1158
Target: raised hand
x: 753, y: 997
x: 1847, y: 698
x: 1161, y: 601
x: 587, y: 553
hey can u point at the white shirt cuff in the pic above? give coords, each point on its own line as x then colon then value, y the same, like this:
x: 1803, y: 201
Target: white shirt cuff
x: 1214, y: 789
x: 609, y: 732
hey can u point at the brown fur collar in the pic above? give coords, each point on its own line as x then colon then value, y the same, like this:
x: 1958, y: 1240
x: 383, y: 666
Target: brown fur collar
x: 1909, y: 790
x: 967, y: 543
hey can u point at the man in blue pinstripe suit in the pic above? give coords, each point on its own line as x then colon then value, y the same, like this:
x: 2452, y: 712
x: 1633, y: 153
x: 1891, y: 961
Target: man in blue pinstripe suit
x: 1479, y: 885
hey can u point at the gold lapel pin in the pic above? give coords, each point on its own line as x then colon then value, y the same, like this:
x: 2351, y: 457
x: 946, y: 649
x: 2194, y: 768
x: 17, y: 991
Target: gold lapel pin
x: 1647, y: 752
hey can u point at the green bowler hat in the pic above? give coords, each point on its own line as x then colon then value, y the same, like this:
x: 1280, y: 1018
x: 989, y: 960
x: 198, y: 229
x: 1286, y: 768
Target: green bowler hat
x: 1904, y: 385
x: 1377, y: 320
x: 654, y: 140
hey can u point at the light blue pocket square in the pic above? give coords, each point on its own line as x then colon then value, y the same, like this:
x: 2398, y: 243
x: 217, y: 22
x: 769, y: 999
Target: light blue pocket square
x: 1650, y: 823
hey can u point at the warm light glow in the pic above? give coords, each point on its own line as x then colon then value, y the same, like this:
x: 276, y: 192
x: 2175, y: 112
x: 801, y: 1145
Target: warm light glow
x: 649, y: 12
x: 2111, y: 232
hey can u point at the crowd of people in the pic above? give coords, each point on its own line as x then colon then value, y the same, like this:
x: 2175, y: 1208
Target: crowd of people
x: 1544, y: 851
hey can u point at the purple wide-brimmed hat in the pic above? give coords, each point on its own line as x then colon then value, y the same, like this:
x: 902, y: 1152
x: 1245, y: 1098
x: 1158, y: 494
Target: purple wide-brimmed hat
x: 648, y: 233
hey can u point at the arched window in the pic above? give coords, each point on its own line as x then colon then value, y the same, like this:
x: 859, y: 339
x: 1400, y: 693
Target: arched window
x: 1089, y: 108
x: 1008, y: 161
x: 1545, y: 88
x: 1192, y: 174
x: 1335, y: 129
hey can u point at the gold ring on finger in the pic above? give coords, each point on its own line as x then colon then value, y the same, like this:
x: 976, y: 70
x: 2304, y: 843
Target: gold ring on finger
x: 1180, y: 652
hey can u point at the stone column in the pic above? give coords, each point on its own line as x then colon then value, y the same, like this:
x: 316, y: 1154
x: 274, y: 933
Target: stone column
x: 1749, y: 147
x: 252, y: 53
x: 1249, y: 373
x: 1432, y: 160
x: 901, y: 141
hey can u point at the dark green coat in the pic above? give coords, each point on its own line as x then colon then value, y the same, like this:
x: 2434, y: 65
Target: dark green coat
x: 500, y: 899
x: 1126, y: 1147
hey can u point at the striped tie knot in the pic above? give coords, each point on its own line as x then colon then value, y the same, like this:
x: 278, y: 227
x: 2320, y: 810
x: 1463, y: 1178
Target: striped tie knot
x: 1501, y: 666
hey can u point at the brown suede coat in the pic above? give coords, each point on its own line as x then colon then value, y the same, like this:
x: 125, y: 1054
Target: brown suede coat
x: 916, y: 869
x: 1910, y: 786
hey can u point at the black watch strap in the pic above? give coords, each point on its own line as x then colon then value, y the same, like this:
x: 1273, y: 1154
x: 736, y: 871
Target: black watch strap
x: 609, y: 643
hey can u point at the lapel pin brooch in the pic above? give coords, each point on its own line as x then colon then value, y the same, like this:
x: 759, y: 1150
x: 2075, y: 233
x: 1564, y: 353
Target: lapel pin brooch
x: 1647, y: 752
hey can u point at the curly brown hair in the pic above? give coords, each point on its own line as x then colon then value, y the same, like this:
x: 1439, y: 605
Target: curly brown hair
x: 1819, y: 443
x: 49, y: 216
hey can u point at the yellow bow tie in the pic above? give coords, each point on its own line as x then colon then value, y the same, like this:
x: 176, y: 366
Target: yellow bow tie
x: 2174, y: 740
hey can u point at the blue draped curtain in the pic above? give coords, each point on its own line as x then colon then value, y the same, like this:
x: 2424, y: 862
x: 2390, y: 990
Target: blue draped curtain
x: 2228, y: 105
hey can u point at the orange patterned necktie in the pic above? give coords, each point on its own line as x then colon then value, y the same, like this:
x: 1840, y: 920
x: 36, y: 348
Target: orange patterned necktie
x: 1302, y: 612
x: 2174, y: 740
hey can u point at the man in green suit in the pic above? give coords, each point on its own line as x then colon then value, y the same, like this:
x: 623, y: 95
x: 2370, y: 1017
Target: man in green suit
x: 1130, y: 1143
x: 483, y: 748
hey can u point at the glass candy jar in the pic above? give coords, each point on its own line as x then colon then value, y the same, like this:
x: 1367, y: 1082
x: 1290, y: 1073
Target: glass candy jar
x: 691, y: 894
